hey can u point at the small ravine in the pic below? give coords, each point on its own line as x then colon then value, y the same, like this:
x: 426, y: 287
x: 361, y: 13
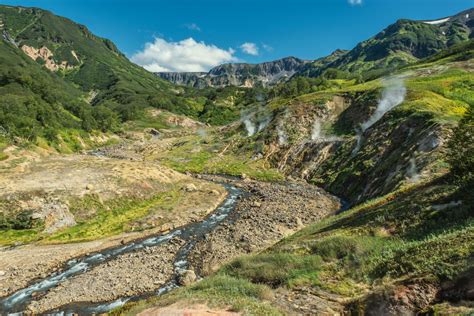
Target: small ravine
x: 16, y: 303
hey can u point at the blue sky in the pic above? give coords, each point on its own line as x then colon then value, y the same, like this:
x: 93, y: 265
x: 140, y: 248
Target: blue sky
x: 238, y: 30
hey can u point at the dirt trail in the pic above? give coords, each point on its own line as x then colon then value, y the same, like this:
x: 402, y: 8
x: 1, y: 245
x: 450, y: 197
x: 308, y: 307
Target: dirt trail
x: 190, y: 310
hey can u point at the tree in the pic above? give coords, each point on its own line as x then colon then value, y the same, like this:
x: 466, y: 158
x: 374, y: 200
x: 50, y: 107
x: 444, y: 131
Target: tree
x: 461, y: 150
x: 106, y: 119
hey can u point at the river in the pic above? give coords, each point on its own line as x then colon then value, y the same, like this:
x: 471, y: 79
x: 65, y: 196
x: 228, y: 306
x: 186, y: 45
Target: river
x: 17, y: 303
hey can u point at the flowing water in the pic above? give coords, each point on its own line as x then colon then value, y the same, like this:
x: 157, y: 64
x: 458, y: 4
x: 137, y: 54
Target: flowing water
x: 18, y: 301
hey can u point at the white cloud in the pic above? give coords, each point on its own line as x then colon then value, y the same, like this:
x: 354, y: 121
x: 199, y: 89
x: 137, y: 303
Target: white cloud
x: 268, y: 48
x: 355, y: 2
x: 193, y: 27
x: 185, y: 55
x: 249, y: 48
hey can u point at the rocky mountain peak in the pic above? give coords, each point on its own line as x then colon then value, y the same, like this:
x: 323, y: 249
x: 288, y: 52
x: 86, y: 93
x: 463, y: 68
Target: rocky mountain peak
x: 239, y: 74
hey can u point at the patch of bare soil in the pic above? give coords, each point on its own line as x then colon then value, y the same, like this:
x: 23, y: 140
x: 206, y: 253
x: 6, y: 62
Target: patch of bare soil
x: 309, y: 301
x: 178, y: 309
x: 47, y: 187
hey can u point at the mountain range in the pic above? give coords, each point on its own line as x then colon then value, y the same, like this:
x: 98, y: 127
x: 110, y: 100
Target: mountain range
x: 239, y: 74
x: 401, y: 43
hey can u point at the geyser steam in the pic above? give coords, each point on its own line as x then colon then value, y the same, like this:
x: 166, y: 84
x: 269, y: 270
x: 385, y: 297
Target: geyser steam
x: 249, y: 126
x: 282, y: 135
x: 412, y: 172
x: 266, y: 120
x: 393, y: 94
x: 316, y: 132
x: 256, y: 121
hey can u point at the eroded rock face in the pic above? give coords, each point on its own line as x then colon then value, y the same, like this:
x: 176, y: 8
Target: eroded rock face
x: 56, y: 215
x: 391, y: 152
x: 46, y: 55
x: 400, y: 299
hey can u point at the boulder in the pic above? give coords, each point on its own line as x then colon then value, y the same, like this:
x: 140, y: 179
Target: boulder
x: 190, y: 187
x: 153, y: 131
x: 187, y: 277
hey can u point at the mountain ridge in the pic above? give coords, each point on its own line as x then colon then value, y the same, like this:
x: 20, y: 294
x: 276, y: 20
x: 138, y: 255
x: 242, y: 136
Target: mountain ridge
x: 401, y: 43
x: 239, y: 74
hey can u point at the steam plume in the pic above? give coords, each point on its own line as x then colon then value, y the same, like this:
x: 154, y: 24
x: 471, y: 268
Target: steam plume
x: 316, y: 133
x: 202, y: 132
x: 264, y: 122
x: 393, y: 94
x: 249, y: 126
x: 412, y: 172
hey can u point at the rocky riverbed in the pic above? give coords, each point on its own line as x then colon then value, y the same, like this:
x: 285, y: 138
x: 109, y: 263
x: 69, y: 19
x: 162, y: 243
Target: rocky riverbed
x: 141, y: 271
x: 271, y: 212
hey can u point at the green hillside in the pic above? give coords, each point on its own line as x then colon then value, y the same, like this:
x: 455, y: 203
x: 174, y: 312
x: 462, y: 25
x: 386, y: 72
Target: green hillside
x: 37, y: 103
x: 401, y: 43
x: 77, y: 80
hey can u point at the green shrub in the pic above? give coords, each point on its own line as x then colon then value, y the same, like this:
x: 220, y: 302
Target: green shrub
x: 276, y: 269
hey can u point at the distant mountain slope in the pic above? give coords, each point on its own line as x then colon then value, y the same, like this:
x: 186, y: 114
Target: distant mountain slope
x: 401, y: 43
x: 239, y: 74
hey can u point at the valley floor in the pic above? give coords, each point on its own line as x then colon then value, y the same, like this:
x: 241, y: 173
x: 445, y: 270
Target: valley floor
x: 119, y: 193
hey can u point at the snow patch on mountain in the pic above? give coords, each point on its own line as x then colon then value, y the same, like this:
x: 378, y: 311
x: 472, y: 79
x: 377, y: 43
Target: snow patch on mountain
x: 436, y: 22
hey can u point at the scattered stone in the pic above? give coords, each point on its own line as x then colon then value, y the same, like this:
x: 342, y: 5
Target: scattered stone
x: 256, y: 204
x: 249, y: 229
x: 187, y: 277
x: 190, y: 187
x: 152, y: 131
x: 36, y: 215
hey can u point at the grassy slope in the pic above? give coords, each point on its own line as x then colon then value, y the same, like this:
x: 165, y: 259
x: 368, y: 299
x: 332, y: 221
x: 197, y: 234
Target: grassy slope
x: 440, y: 90
x: 205, y: 152
x: 38, y: 106
x: 121, y: 89
x: 368, y: 248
